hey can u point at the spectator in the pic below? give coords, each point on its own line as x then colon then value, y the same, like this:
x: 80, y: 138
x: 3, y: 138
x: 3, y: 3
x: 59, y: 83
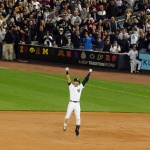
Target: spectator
x: 48, y: 40
x: 142, y: 43
x: 33, y: 30
x: 88, y: 41
x: 27, y: 35
x: 99, y: 43
x: 106, y: 25
x: 134, y: 37
x: 147, y: 24
x: 115, y: 48
x: 128, y: 14
x: 123, y: 33
x: 2, y: 19
x: 148, y: 39
x: 107, y: 46
x: 125, y: 45
x: 94, y: 5
x: 89, y: 21
x: 143, y: 5
x: 101, y: 13
x: 75, y: 18
x: 46, y: 14
x: 49, y: 26
x: 8, y: 45
x: 113, y: 25
x: 76, y: 40
x: 40, y: 36
x: 36, y: 4
x: 84, y: 14
x: 18, y: 39
x: 63, y: 23
x: 112, y: 9
x: 133, y: 54
x: 61, y: 39
x: 119, y: 5
x: 2, y: 34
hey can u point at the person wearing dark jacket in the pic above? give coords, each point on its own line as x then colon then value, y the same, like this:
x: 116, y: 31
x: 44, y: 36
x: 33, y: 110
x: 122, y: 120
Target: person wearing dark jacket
x: 112, y: 9
x: 107, y: 46
x: 124, y: 44
x: 76, y: 40
x: 49, y: 26
x: 40, y: 36
x: 142, y: 43
x: 61, y: 39
x: 8, y: 45
x: 27, y: 36
x: 99, y: 43
x: 33, y: 30
x: 18, y: 38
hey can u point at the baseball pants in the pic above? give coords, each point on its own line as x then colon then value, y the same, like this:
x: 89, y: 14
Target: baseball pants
x: 76, y: 108
x: 134, y: 64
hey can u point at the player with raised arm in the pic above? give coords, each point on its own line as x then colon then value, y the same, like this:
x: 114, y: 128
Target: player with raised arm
x: 75, y: 90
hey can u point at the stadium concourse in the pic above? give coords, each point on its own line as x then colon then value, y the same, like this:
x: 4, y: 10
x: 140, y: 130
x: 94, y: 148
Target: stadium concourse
x: 100, y: 131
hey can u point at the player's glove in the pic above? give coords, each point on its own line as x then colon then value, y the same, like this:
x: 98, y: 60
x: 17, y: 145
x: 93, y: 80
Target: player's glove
x: 90, y: 70
x: 67, y: 70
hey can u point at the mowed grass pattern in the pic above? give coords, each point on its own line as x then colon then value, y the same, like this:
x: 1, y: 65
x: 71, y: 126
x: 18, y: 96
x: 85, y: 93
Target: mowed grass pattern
x: 20, y: 90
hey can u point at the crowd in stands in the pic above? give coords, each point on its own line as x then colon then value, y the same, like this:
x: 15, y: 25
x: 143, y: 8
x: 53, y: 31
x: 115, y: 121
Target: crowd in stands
x: 80, y: 24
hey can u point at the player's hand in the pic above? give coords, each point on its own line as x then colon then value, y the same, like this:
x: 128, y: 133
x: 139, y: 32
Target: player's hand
x: 90, y: 70
x: 67, y: 70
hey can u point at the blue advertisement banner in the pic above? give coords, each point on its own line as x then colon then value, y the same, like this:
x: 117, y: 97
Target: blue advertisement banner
x: 145, y: 61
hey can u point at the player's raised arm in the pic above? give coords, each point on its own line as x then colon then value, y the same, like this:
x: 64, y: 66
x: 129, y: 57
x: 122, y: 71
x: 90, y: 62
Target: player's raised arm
x: 68, y: 77
x: 87, y: 77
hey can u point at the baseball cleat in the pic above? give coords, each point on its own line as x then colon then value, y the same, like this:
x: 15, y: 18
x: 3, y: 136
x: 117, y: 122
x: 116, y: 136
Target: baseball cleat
x: 138, y: 71
x: 77, y: 132
x: 64, y: 128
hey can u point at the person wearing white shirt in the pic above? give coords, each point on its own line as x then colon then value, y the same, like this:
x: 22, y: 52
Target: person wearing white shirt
x: 36, y: 3
x: 115, y: 48
x: 48, y: 39
x: 134, y: 37
x: 148, y: 24
x: 123, y: 33
x: 75, y: 18
x: 2, y: 34
x: 133, y: 54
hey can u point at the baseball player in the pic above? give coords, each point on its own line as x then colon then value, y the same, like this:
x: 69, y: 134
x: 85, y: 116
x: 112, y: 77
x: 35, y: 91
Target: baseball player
x: 75, y: 90
x: 133, y: 54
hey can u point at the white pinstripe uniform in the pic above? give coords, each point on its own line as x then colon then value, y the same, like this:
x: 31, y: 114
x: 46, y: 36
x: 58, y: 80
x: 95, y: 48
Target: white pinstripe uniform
x: 134, y: 62
x: 74, y: 103
x: 75, y: 91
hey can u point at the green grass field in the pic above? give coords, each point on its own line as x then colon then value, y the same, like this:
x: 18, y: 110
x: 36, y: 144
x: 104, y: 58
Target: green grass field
x: 20, y: 90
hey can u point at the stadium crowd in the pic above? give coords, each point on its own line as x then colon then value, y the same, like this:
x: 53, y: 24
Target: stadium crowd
x: 88, y: 25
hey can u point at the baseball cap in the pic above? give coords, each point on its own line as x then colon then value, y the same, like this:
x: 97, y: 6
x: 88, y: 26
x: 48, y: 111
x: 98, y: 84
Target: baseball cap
x: 77, y: 80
